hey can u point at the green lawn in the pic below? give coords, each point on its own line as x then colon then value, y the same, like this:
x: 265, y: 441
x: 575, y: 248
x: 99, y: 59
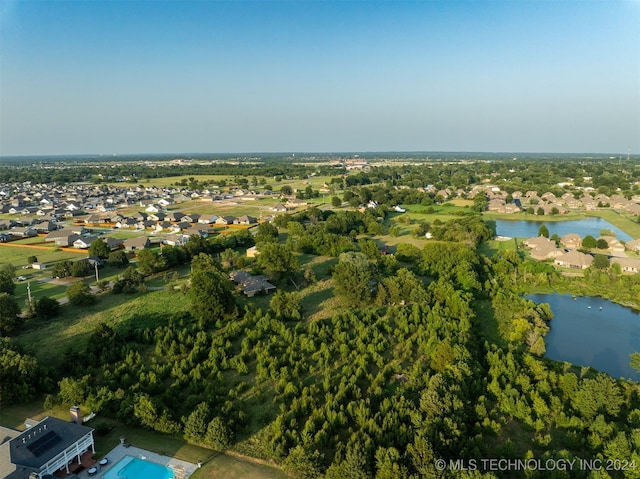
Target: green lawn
x: 18, y: 256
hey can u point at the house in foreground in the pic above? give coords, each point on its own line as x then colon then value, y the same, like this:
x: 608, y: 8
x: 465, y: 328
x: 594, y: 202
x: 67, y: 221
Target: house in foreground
x: 47, y: 447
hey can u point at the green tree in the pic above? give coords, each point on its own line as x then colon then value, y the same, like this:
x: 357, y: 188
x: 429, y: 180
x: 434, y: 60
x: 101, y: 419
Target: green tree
x: 278, y: 260
x: 130, y: 281
x: 7, y: 273
x: 598, y: 395
x: 589, y: 242
x: 336, y: 202
x: 195, y: 426
x: 79, y: 294
x: 602, y: 244
x: 540, y: 211
x: 99, y: 248
x: 286, y: 305
x: 9, y: 311
x: 301, y: 464
x: 19, y: 374
x: 543, y: 231
x: 355, y: 279
x: 118, y: 259
x: 62, y: 269
x: 218, y: 435
x: 353, y: 466
x: 149, y: 262
x: 231, y: 259
x: 408, y: 253
x: 32, y: 259
x: 266, y: 233
x: 210, y: 292
x: 72, y: 391
x: 80, y: 269
x: 600, y: 261
x: 635, y: 361
x: 47, y: 308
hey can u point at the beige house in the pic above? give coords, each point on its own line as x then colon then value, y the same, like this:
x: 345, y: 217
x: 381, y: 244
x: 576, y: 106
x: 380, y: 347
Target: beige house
x: 571, y: 240
x: 627, y: 265
x: 574, y: 260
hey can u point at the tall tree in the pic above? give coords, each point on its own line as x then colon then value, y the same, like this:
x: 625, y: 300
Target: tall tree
x: 210, y: 292
x: 79, y: 294
x: 9, y: 311
x: 543, y: 231
x: 278, y: 260
x: 99, y: 248
x: 7, y: 273
x: 355, y: 279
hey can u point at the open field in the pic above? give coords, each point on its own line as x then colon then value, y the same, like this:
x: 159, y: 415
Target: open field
x: 18, y: 256
x: 48, y: 340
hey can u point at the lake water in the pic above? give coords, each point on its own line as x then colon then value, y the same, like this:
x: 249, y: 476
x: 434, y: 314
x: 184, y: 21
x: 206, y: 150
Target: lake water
x: 587, y: 226
x: 583, y: 334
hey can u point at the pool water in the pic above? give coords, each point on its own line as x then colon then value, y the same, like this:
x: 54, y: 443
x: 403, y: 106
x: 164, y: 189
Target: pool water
x: 133, y: 468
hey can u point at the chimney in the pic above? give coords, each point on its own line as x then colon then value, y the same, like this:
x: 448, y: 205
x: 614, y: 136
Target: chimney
x: 76, y: 416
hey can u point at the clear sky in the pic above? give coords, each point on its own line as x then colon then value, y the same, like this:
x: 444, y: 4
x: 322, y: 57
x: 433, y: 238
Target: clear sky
x: 115, y: 76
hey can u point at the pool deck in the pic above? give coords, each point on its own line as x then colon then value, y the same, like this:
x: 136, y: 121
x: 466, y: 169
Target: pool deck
x: 121, y: 451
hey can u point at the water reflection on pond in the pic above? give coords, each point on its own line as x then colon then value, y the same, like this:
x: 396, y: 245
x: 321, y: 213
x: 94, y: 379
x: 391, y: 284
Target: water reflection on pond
x: 594, y: 332
x: 587, y: 226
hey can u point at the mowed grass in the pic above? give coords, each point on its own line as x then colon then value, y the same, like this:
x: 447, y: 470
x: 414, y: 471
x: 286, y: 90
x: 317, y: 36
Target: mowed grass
x: 18, y: 256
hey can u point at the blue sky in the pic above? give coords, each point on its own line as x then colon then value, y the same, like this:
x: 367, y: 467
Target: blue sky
x: 319, y: 76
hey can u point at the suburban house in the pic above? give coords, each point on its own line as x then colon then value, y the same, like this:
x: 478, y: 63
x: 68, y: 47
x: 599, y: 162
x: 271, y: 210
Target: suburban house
x: 225, y: 220
x: 537, y: 241
x: 252, y: 252
x: 614, y: 245
x: 633, y: 245
x: 571, y: 240
x: 546, y: 251
x: 627, y: 265
x: 137, y: 243
x: 207, y: 219
x: 279, y: 208
x: 64, y: 237
x: 47, y: 447
x: 574, y: 260
x: 23, y: 231
x: 252, y: 284
x: 85, y: 241
x: 245, y: 220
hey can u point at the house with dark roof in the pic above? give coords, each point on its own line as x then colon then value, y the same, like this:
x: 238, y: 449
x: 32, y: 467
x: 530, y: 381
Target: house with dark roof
x: 137, y: 243
x: 252, y: 284
x: 48, y: 446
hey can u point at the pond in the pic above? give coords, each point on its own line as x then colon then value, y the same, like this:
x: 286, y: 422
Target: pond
x: 595, y: 332
x: 586, y: 226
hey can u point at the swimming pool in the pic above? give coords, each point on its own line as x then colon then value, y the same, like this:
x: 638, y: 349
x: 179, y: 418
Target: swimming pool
x: 130, y: 467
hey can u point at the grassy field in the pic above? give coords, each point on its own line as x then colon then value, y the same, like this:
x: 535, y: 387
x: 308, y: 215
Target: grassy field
x: 48, y: 340
x: 17, y: 256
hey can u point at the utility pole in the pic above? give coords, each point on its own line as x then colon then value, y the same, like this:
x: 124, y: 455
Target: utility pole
x: 96, y: 266
x: 29, y: 292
